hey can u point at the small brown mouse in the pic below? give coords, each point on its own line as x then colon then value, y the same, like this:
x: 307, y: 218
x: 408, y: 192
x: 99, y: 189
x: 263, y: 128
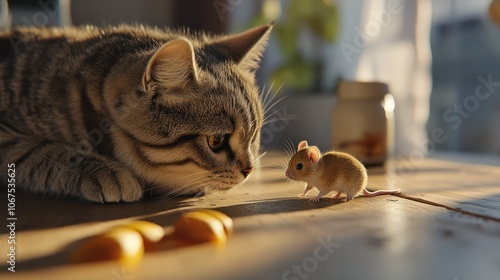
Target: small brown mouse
x: 334, y: 171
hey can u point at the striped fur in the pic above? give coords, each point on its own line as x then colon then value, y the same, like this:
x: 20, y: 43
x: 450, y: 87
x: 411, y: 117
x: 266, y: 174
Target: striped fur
x: 100, y: 114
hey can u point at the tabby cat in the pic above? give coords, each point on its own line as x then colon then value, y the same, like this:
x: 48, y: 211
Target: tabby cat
x: 101, y: 113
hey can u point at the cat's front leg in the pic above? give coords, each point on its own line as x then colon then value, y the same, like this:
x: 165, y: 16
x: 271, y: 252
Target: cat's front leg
x: 57, y: 168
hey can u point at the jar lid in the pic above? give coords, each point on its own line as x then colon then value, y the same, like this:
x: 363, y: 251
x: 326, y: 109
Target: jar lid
x: 362, y: 90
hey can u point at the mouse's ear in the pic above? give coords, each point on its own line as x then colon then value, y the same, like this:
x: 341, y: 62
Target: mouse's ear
x: 313, y: 154
x: 302, y: 144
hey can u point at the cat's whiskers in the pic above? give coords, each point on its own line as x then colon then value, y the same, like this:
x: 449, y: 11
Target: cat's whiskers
x: 200, y: 193
x: 205, y: 188
x: 194, y: 174
x: 182, y: 177
x: 269, y: 103
x: 185, y: 189
x: 198, y: 182
x: 265, y: 94
x: 268, y: 98
x: 259, y: 157
x: 195, y: 183
x: 270, y: 119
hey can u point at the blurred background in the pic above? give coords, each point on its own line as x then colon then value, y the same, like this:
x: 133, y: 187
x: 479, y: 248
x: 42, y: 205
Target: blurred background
x: 440, y: 58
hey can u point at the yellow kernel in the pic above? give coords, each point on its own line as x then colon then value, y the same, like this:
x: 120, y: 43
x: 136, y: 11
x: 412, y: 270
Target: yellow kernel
x: 199, y: 227
x: 151, y: 233
x: 226, y: 221
x: 122, y: 244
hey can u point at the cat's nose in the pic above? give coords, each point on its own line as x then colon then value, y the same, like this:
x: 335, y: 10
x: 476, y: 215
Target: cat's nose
x: 246, y: 171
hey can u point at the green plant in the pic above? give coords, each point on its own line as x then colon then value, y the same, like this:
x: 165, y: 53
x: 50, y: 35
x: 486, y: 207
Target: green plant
x: 319, y: 16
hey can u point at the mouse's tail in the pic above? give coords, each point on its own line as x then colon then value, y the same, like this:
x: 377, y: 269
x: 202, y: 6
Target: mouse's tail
x: 380, y: 192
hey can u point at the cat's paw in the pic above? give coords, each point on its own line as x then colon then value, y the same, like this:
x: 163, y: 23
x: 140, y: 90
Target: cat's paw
x: 111, y: 184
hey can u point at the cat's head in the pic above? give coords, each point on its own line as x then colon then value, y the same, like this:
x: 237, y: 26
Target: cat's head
x: 193, y: 123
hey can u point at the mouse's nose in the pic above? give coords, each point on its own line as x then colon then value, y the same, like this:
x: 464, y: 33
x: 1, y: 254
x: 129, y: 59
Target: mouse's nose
x: 247, y: 171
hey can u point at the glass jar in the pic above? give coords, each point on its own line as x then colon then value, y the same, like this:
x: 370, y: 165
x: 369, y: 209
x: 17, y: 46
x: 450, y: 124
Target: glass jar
x: 363, y: 121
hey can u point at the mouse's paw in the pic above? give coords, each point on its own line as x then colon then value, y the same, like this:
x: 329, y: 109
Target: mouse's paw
x: 316, y: 199
x: 301, y: 195
x: 336, y: 195
x: 346, y: 199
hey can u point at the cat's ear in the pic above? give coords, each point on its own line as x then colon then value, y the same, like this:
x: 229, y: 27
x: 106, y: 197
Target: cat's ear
x: 313, y: 154
x: 245, y: 48
x: 172, y: 64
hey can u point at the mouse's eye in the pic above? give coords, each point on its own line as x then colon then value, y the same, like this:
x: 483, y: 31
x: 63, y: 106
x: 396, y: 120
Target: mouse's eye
x: 300, y: 166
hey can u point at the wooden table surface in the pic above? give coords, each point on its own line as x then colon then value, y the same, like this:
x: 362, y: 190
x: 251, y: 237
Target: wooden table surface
x: 445, y: 225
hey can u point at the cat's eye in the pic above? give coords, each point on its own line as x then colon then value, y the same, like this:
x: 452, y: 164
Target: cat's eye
x: 216, y: 141
x: 300, y: 166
